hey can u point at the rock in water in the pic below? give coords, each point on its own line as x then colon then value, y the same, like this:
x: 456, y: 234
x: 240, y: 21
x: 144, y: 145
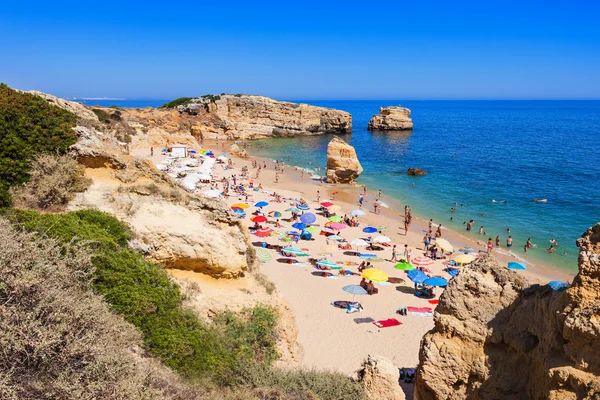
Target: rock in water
x: 391, y: 119
x: 495, y: 337
x: 416, y: 172
x: 342, y: 164
x: 380, y: 379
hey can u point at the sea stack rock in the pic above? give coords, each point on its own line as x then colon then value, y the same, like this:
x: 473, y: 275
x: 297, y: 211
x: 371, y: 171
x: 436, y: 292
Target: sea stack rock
x: 416, y: 172
x: 498, y: 337
x: 391, y: 119
x: 342, y: 164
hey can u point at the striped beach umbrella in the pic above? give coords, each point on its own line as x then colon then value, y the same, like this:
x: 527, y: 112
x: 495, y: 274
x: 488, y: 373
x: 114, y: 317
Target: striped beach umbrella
x: 275, y: 214
x: 422, y: 261
x: 302, y: 207
x: 263, y: 255
x: 354, y: 290
x: 328, y: 264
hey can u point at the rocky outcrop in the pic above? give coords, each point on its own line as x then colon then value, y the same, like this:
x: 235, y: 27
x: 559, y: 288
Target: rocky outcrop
x: 496, y: 337
x: 380, y: 379
x: 76, y: 108
x: 172, y: 226
x: 416, y: 172
x: 342, y: 163
x: 391, y: 119
x: 236, y: 151
x: 246, y: 116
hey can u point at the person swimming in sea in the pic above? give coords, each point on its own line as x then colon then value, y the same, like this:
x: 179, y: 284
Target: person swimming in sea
x: 551, y: 249
x: 554, y: 242
x: 509, y: 241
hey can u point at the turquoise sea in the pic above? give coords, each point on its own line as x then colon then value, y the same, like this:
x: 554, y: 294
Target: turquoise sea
x: 477, y: 152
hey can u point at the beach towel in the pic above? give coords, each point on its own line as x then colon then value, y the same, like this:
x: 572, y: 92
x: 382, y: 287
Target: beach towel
x: 382, y: 283
x: 386, y: 323
x: 419, y: 309
x: 435, y: 301
x: 422, y: 314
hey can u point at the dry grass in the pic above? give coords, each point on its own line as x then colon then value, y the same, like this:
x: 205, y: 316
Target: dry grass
x: 59, y: 340
x: 54, y: 181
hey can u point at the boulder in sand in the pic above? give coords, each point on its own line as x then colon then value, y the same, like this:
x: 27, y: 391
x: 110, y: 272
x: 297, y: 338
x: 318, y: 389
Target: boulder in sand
x: 380, y: 379
x: 342, y: 163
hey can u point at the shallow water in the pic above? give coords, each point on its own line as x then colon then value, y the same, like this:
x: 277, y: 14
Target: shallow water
x: 475, y: 152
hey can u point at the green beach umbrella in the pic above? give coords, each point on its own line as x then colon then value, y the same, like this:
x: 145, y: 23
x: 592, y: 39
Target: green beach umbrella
x: 335, y: 218
x: 404, y: 266
x: 312, y: 229
x: 263, y: 255
x: 293, y: 209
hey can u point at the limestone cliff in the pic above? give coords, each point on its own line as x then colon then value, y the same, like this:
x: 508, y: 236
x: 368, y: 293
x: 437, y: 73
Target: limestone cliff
x: 76, y: 108
x: 174, y: 228
x: 495, y: 337
x: 342, y: 163
x: 391, y: 119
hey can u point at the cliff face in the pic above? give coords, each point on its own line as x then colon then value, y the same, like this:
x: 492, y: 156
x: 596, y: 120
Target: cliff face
x: 342, y: 163
x: 497, y: 338
x: 391, y: 119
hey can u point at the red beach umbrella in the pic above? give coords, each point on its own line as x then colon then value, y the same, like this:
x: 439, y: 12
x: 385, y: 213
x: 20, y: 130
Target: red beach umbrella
x: 258, y: 218
x: 326, y: 204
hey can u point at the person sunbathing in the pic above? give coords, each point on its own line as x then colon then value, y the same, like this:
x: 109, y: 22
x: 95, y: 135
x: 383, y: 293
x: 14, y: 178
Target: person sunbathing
x: 363, y: 283
x: 346, y: 246
x: 371, y: 289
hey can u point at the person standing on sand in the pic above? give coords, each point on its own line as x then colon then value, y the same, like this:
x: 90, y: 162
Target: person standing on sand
x: 393, y: 254
x: 407, y: 253
x: 426, y: 242
x: 151, y: 151
x: 365, y: 190
x: 379, y: 194
x: 276, y: 177
x: 490, y: 245
x: 375, y: 206
x: 318, y: 196
x: 438, y: 233
x: 360, y: 201
x: 333, y: 195
x: 430, y: 223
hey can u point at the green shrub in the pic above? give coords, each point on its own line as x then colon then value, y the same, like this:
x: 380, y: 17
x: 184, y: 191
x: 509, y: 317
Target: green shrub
x: 177, y: 102
x: 102, y: 115
x: 211, y: 97
x: 29, y: 125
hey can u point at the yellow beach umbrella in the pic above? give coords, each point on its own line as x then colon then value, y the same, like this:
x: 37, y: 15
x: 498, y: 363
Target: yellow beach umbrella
x: 334, y: 207
x: 463, y: 258
x: 240, y: 205
x: 375, y: 275
x: 444, y: 244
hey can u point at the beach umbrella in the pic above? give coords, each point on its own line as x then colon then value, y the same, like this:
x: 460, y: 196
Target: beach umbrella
x: 335, y: 237
x: 334, y: 207
x: 517, y: 265
x: 444, y: 245
x: 258, y: 218
x: 329, y: 248
x: 462, y: 258
x: 326, y: 204
x: 370, y: 229
x: 292, y: 233
x: 308, y: 218
x: 210, y: 154
x: 381, y: 228
x: 263, y: 232
x: 375, y: 275
x: 312, y: 229
x: 416, y: 276
x: 466, y: 249
x: 435, y: 281
x: 192, y: 151
x: 299, y: 225
x: 357, y: 213
x: 243, y: 206
x: 327, y: 230
x: 335, y: 218
x: 212, y: 193
x: 359, y: 243
x: 404, y: 266
x: 239, y: 212
x: 261, y: 204
x: 292, y: 250
x: 337, y: 226
x: 293, y: 209
x: 422, y: 261
x: 329, y: 264
x: 275, y: 214
x: 382, y: 239
x: 354, y: 289
x: 302, y: 207
x: 558, y: 285
x: 263, y: 255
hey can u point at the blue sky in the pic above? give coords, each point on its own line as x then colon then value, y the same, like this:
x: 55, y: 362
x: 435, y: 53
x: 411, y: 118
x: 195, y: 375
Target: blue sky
x: 304, y: 50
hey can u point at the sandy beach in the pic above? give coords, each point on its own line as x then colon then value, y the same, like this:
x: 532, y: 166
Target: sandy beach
x: 330, y: 337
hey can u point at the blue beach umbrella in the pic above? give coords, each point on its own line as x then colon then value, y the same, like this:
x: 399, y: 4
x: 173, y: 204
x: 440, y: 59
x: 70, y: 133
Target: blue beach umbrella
x: 299, y: 225
x: 370, y: 229
x: 452, y: 272
x: 516, y: 265
x: 435, y: 281
x: 308, y: 218
x: 293, y: 209
x: 302, y: 207
x: 417, y: 276
x: 354, y: 289
x: 558, y: 285
x: 261, y: 204
x: 210, y: 153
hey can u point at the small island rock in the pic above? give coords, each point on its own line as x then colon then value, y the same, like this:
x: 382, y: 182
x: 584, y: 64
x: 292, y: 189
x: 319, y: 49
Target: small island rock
x: 416, y: 172
x: 391, y: 119
x: 342, y: 163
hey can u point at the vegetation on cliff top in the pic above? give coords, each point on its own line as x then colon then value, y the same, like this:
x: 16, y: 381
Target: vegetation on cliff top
x: 29, y: 125
x: 236, y: 350
x: 177, y: 102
